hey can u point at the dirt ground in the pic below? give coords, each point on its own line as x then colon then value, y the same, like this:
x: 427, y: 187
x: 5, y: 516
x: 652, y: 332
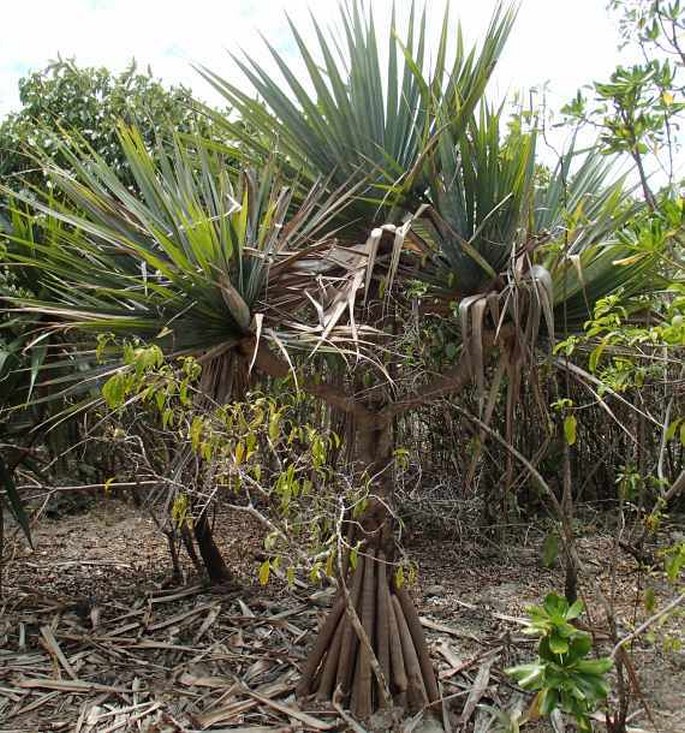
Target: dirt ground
x: 92, y: 637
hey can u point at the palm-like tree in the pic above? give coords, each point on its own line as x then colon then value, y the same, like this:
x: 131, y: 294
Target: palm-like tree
x: 202, y: 264
x: 240, y: 273
x: 512, y: 251
x: 365, y: 122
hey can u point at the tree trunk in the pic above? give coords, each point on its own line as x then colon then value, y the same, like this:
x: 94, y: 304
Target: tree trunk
x: 224, y: 378
x: 214, y: 563
x: 373, y: 623
x: 392, y: 662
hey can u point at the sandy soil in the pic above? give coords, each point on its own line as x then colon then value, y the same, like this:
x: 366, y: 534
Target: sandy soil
x: 71, y: 661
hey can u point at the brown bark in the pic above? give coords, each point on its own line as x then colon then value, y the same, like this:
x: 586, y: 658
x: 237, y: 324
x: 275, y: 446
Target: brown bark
x: 399, y: 672
x: 395, y: 660
x: 211, y: 556
x: 348, y: 651
x: 322, y: 642
x: 388, y: 619
x: 177, y: 574
x: 362, y: 698
x: 414, y: 624
x: 272, y: 365
x: 417, y: 698
x: 327, y: 682
x: 187, y: 539
x: 383, y: 622
x: 224, y: 376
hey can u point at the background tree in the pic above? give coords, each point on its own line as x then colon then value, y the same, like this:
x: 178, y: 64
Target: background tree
x: 65, y: 98
x: 638, y: 111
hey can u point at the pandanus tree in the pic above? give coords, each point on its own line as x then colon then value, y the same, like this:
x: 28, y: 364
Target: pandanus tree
x: 502, y: 250
x: 199, y: 264
x: 451, y: 214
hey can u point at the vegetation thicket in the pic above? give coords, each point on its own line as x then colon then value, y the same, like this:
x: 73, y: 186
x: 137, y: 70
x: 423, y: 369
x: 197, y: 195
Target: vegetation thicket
x: 275, y: 305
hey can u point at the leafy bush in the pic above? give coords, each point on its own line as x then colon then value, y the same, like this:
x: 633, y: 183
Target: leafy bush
x: 563, y: 675
x: 265, y: 455
x: 65, y: 98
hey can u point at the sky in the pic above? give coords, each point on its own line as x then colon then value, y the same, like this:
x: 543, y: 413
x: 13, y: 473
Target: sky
x: 556, y: 45
x: 564, y: 44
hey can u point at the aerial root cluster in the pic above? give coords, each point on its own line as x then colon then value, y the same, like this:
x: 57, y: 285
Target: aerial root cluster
x: 341, y: 664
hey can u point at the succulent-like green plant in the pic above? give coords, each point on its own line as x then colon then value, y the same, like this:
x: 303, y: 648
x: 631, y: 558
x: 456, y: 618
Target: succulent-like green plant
x: 563, y: 675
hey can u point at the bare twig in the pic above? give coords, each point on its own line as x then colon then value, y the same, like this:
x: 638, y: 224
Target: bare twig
x: 354, y: 617
x: 643, y: 627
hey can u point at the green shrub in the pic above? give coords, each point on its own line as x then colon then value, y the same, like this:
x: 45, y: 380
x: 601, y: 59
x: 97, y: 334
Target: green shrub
x: 563, y: 675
